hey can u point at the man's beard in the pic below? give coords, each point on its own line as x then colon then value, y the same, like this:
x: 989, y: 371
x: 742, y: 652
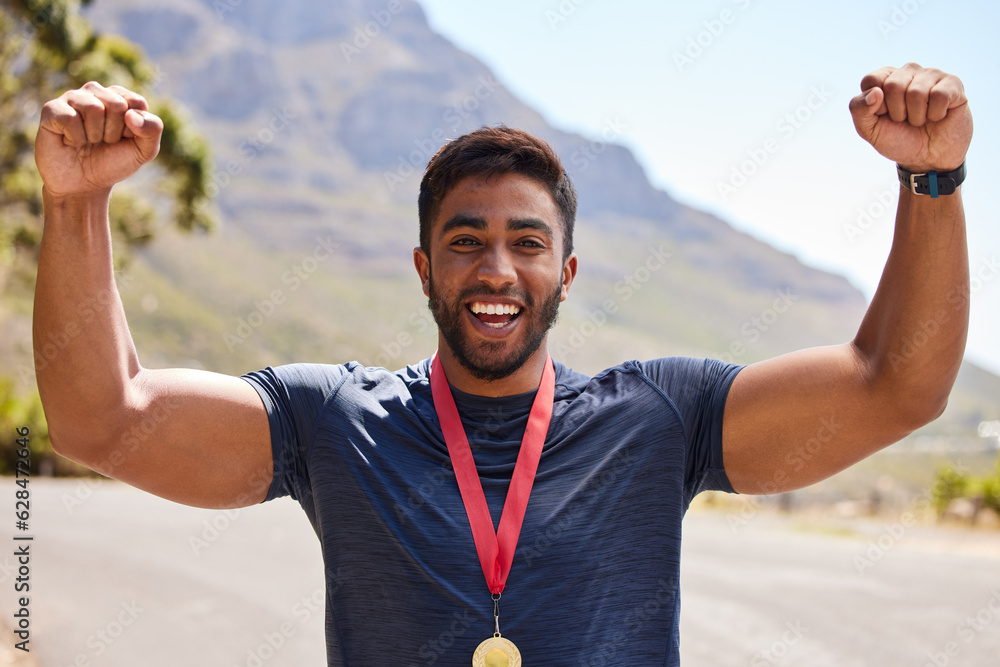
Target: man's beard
x: 491, y: 360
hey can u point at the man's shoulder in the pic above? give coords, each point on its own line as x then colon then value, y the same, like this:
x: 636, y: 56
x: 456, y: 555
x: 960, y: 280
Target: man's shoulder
x: 319, y: 381
x: 648, y: 369
x: 670, y: 375
x: 612, y: 381
x: 323, y: 371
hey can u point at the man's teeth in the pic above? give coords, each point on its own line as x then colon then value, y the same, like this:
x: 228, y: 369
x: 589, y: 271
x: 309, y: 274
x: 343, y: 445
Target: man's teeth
x: 494, y: 308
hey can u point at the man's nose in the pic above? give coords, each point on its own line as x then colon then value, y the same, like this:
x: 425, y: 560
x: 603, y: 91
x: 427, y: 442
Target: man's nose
x: 496, y: 268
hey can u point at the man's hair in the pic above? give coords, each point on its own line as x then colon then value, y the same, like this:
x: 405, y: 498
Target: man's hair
x: 492, y: 151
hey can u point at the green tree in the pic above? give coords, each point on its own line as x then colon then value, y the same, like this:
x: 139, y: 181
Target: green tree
x: 46, y: 48
x: 990, y: 489
x: 949, y: 484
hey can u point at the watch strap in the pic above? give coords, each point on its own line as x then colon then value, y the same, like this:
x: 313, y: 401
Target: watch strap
x: 933, y: 183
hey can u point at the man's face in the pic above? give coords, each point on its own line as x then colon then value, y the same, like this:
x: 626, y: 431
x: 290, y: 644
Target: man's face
x: 495, y: 275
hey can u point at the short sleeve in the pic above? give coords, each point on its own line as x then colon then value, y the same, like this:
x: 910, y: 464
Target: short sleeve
x: 698, y: 388
x: 294, y: 396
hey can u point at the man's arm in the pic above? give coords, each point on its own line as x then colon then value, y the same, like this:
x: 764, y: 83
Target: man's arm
x: 802, y: 417
x: 190, y: 436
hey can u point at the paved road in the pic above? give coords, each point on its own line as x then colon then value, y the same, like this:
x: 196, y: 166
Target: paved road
x: 120, y: 578
x: 883, y: 595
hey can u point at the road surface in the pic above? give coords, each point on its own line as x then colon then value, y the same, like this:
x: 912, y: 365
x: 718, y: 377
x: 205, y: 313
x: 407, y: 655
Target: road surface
x: 120, y: 578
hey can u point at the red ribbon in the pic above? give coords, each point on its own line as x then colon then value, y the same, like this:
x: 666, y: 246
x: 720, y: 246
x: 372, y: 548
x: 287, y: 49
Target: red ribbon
x: 496, y: 550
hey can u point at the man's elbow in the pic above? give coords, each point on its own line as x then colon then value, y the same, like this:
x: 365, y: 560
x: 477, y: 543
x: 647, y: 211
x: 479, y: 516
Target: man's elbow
x: 913, y: 399
x: 95, y: 441
x: 90, y: 451
x: 914, y: 412
x: 93, y: 434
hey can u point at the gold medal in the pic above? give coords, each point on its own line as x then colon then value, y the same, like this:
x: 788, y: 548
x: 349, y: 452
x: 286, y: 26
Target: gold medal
x: 496, y: 652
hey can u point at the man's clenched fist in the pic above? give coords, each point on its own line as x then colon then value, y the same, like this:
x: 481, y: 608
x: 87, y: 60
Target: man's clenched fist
x: 93, y: 137
x: 916, y: 116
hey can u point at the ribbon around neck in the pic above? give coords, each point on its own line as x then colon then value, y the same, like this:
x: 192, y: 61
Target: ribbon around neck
x: 496, y: 550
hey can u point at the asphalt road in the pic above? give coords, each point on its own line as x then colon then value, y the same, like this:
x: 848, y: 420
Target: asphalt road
x: 120, y: 578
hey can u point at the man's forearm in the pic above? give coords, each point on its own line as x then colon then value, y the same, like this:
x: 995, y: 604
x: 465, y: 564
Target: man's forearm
x: 84, y: 355
x: 913, y: 336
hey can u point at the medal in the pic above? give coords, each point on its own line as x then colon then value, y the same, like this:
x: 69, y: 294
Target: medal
x: 495, y: 550
x: 496, y: 652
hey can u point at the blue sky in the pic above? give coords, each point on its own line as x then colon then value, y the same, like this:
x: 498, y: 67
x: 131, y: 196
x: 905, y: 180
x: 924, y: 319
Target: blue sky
x: 703, y: 87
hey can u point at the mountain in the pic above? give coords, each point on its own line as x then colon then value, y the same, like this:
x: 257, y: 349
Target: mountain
x: 322, y: 117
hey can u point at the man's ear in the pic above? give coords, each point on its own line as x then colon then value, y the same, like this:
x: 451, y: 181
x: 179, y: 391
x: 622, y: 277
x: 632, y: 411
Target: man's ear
x: 569, y: 273
x: 423, y: 265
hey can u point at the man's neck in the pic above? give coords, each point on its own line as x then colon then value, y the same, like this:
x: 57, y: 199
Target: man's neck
x: 521, y: 381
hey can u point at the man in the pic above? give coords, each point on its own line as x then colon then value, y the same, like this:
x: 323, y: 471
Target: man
x: 405, y: 508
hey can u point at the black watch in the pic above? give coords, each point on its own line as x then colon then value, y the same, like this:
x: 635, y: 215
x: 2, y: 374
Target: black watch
x: 933, y: 183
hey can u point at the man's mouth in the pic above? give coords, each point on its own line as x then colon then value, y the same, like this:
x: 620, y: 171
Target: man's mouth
x: 495, y: 315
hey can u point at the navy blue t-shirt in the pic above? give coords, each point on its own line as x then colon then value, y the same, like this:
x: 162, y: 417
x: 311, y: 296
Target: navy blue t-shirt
x: 595, y: 576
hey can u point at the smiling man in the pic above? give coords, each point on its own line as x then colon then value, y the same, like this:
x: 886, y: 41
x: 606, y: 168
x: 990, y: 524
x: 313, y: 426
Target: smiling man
x: 502, y: 256
x: 490, y: 474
